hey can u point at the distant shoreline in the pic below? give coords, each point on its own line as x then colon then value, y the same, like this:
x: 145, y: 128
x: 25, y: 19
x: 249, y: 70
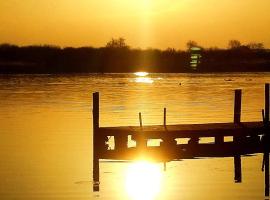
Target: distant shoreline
x: 85, y: 60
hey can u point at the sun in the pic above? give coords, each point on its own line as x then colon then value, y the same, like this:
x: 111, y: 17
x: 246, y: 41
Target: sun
x: 143, y: 180
x: 141, y: 74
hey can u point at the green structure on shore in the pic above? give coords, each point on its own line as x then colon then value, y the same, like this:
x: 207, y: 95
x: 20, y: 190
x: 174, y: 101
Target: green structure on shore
x: 195, y: 57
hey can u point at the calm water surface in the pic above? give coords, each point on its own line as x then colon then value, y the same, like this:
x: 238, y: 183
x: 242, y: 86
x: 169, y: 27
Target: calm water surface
x: 46, y: 135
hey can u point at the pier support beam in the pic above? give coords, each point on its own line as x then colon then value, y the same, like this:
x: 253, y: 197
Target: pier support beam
x: 95, y: 141
x: 266, y: 161
x: 165, y: 127
x: 141, y: 142
x: 121, y: 143
x: 266, y: 140
x: 237, y: 120
x: 266, y: 102
x: 237, y: 169
x: 164, y: 117
x: 237, y: 106
x: 219, y: 140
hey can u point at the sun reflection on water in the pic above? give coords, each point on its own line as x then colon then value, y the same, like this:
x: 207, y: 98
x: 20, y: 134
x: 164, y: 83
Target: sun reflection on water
x: 143, y: 180
x: 142, y: 77
x: 144, y: 80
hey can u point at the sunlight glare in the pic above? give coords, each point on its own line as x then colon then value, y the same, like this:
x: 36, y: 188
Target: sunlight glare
x: 141, y: 74
x: 142, y: 77
x: 143, y: 180
x: 144, y: 80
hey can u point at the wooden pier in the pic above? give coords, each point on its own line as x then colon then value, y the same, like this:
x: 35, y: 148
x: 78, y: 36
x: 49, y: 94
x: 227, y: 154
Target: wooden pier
x: 248, y: 138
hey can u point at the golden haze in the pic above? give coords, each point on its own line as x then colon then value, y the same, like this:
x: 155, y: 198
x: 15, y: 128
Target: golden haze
x: 144, y: 23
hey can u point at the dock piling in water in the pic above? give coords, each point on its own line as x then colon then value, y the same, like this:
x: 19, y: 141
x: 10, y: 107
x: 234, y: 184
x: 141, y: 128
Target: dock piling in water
x: 141, y: 142
x: 96, y: 141
x: 140, y: 119
x: 266, y: 99
x: 266, y: 140
x: 237, y: 106
x: 236, y: 139
x: 266, y: 173
x: 164, y: 117
x: 164, y: 124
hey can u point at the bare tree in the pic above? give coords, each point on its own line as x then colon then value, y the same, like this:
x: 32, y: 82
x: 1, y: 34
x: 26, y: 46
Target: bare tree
x: 170, y: 50
x: 117, y: 43
x: 191, y: 43
x: 255, y: 45
x: 234, y: 44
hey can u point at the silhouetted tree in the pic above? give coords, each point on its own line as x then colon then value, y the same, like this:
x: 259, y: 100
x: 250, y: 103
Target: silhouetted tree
x: 255, y: 45
x: 191, y: 44
x: 117, y: 43
x: 234, y: 44
x: 214, y: 48
x: 6, y: 45
x: 170, y: 51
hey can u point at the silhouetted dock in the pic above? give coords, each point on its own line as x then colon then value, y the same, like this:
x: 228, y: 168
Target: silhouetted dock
x: 169, y: 149
x: 247, y: 138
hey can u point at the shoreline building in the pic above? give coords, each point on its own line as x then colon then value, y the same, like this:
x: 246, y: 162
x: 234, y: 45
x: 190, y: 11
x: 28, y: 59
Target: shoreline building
x: 195, y: 57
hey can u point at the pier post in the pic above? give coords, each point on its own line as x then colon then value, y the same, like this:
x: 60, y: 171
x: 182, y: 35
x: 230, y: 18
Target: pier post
x: 237, y: 106
x: 219, y: 139
x: 164, y: 124
x: 140, y: 120
x: 164, y: 166
x: 266, y: 103
x: 95, y: 141
x: 164, y: 117
x: 266, y: 140
x: 237, y: 120
x: 141, y: 142
x: 266, y: 161
x: 121, y: 143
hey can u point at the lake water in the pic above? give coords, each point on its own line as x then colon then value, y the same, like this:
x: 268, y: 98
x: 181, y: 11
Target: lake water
x: 46, y: 135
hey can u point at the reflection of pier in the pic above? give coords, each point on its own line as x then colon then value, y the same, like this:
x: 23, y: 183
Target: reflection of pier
x: 248, y: 138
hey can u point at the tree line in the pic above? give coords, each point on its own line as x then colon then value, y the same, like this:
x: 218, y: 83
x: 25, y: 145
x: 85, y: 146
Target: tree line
x: 118, y: 57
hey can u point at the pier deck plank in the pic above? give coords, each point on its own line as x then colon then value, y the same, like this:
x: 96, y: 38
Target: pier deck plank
x: 186, y: 130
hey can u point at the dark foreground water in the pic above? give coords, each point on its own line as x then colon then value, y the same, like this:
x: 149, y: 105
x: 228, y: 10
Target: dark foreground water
x: 46, y: 135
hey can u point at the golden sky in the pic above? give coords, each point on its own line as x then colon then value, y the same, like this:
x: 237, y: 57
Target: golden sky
x: 143, y: 23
